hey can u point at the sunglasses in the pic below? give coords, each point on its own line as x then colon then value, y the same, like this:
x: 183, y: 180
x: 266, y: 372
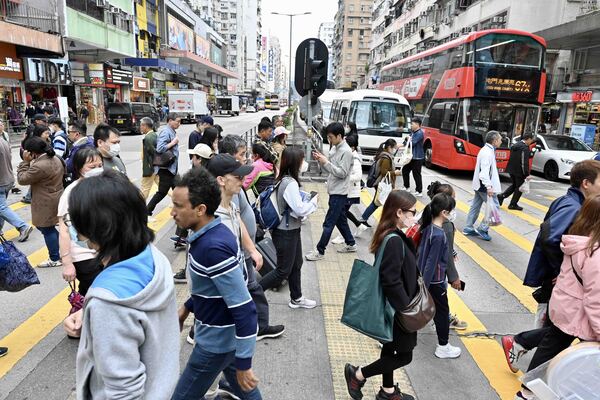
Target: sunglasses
x: 413, y: 212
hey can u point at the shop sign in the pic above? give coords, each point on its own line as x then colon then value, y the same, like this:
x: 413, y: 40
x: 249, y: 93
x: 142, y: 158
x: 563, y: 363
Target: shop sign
x: 118, y: 76
x: 54, y: 71
x: 159, y: 76
x: 141, y: 84
x: 10, y: 64
x: 582, y: 97
x: 159, y: 85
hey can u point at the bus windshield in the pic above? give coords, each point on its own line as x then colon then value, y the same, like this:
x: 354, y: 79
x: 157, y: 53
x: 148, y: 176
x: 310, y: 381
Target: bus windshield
x: 510, y: 119
x: 505, y: 50
x: 380, y: 118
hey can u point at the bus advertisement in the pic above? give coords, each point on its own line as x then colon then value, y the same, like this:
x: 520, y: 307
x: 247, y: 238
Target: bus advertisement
x: 487, y: 80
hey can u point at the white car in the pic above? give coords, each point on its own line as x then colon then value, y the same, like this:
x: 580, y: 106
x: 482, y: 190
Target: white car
x: 251, y: 109
x: 556, y: 154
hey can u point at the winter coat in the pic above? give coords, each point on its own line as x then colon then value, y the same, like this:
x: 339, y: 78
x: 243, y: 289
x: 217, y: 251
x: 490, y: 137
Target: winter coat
x: 546, y: 257
x: 261, y: 168
x: 575, y: 305
x: 386, y: 166
x: 518, y: 163
x: 45, y: 176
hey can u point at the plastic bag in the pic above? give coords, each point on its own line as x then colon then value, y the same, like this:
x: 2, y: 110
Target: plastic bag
x: 383, y: 190
x: 492, y: 213
x: 406, y: 155
x: 524, y: 188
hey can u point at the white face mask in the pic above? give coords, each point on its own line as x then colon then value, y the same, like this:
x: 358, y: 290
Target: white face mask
x: 452, y: 216
x: 304, y: 167
x: 410, y: 221
x: 347, y: 130
x: 114, y: 149
x: 93, y: 172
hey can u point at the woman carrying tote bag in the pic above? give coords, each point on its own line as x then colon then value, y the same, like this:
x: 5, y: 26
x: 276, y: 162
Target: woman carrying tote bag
x: 399, y: 280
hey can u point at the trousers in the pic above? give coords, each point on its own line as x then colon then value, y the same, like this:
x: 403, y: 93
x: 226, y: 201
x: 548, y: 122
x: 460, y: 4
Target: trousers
x: 389, y: 361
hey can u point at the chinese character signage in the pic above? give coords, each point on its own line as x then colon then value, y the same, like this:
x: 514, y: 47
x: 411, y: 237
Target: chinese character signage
x: 508, y: 85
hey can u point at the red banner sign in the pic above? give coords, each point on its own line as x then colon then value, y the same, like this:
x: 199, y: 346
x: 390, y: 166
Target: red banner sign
x: 582, y: 97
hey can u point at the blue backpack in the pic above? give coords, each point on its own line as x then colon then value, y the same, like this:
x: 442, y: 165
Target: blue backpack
x: 266, y: 209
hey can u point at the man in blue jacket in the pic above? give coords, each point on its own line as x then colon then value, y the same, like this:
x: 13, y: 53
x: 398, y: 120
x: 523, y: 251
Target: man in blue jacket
x: 418, y: 158
x: 546, y: 257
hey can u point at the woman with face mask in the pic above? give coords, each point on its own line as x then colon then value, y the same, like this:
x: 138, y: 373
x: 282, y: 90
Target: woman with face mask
x: 398, y: 276
x: 294, y: 206
x: 44, y: 172
x: 433, y: 263
x: 79, y: 261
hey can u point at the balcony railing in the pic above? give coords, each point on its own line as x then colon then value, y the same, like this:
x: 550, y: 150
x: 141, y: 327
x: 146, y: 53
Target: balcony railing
x: 88, y: 7
x: 26, y: 15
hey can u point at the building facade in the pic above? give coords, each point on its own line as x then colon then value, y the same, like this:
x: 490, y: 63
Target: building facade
x: 274, y: 65
x: 326, y: 30
x: 352, y: 35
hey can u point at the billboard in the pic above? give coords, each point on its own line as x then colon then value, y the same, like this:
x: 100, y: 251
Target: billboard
x: 181, y: 37
x: 263, y: 54
x: 202, y: 47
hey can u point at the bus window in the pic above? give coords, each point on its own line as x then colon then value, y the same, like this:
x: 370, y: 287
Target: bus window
x: 505, y: 50
x: 436, y: 114
x: 378, y: 117
x: 449, y: 119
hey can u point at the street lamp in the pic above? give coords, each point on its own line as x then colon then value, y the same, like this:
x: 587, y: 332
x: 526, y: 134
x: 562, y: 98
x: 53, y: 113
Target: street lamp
x: 290, y: 62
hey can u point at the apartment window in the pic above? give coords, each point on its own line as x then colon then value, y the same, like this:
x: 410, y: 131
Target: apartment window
x: 363, y: 57
x: 349, y: 44
x: 350, y: 20
x: 233, y: 15
x: 348, y: 68
x: 351, y: 7
x: 349, y: 56
x: 362, y: 32
x: 349, y: 31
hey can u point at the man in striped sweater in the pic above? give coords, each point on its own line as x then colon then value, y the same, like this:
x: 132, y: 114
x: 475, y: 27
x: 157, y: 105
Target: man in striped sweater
x: 225, y: 315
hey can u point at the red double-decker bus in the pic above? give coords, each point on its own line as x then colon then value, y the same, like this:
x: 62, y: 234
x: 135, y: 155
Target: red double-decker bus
x: 487, y: 80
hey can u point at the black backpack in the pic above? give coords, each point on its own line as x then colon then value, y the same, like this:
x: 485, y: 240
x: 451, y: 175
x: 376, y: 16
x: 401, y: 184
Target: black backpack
x: 373, y: 174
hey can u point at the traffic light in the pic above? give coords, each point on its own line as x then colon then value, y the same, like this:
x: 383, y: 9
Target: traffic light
x: 316, y: 77
x: 311, y: 67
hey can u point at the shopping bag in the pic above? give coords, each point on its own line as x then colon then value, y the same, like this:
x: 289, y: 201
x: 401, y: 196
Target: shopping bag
x: 524, y: 188
x: 492, y: 213
x: 406, y: 155
x: 17, y: 273
x: 383, y: 190
x: 366, y: 309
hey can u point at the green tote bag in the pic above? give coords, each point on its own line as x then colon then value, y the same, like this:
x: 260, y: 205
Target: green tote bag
x: 366, y: 309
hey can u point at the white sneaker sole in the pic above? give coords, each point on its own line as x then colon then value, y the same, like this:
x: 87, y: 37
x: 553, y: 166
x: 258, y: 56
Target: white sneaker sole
x: 313, y: 258
x: 347, y: 250
x: 269, y: 336
x: 338, y: 240
x: 296, y: 306
x: 447, y: 357
x: 190, y: 340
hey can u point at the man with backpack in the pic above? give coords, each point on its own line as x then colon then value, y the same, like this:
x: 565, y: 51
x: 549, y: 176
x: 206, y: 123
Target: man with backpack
x: 60, y: 140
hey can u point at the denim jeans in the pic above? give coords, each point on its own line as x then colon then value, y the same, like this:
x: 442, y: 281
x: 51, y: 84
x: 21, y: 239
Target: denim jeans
x: 336, y: 216
x: 369, y: 210
x: 479, y: 200
x: 6, y: 213
x: 202, y: 370
x: 51, y: 238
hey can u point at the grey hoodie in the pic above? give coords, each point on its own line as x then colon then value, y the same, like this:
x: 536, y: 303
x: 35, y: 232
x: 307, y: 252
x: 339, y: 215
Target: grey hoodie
x: 339, y: 168
x: 129, y: 346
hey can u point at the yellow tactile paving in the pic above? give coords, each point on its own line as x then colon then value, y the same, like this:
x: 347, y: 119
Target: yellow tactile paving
x: 344, y: 344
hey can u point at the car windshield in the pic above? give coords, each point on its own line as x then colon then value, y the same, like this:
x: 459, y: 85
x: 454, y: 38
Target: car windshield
x: 380, y: 118
x: 565, y: 143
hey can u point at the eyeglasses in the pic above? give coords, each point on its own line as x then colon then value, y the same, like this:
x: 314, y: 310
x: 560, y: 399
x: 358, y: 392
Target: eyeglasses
x: 413, y: 212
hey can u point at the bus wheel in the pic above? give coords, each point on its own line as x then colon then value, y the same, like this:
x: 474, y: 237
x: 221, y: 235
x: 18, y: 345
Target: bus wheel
x: 428, y: 155
x: 551, y: 171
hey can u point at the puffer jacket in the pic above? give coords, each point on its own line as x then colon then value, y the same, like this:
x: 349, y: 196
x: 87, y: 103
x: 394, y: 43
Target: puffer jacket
x: 575, y: 306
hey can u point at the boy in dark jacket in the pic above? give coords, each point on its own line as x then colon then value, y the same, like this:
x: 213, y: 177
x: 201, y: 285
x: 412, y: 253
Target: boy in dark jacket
x: 518, y: 168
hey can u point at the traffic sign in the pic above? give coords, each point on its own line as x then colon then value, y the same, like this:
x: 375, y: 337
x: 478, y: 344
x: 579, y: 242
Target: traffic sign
x: 311, y: 67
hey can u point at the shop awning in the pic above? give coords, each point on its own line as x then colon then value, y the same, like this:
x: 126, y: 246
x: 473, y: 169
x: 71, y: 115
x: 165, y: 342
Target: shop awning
x: 193, y: 58
x: 583, y: 32
x: 156, y: 63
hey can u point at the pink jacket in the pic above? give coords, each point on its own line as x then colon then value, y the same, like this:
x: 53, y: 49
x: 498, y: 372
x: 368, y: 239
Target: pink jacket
x: 260, y: 168
x: 575, y: 308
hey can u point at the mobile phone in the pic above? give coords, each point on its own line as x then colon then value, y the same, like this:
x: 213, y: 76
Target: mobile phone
x: 313, y: 194
x: 462, y: 285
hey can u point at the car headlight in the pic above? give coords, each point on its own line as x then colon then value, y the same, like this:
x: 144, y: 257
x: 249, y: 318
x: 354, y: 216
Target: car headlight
x: 567, y: 161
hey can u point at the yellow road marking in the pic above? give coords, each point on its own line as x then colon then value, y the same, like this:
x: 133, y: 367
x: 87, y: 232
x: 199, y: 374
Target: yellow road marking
x: 24, y: 337
x: 487, y: 353
x: 524, y: 216
x: 533, y: 204
x: 18, y: 205
x: 551, y: 198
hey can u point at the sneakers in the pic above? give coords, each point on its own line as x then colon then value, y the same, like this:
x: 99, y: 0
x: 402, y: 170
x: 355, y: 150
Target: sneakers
x: 314, y: 255
x: 525, y: 394
x: 353, y: 384
x: 484, y: 235
x: 339, y: 239
x: 349, y: 248
x: 24, y: 233
x: 50, y: 264
x: 26, y: 200
x: 180, y: 277
x: 397, y: 395
x: 190, y: 336
x: 447, y: 351
x: 512, y: 351
x: 302, y: 302
x: 3, y: 351
x: 362, y: 228
x: 270, y: 332
x: 470, y: 232
x: 515, y: 207
x: 457, y: 324
x: 225, y: 389
x: 418, y: 194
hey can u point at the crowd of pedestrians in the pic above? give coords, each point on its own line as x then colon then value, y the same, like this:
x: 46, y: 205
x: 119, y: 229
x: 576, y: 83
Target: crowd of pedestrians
x: 125, y: 278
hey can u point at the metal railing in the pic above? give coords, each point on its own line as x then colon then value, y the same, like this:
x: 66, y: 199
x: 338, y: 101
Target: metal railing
x: 88, y: 7
x: 31, y: 17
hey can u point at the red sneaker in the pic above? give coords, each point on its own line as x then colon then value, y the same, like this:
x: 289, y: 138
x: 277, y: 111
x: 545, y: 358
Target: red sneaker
x: 508, y: 344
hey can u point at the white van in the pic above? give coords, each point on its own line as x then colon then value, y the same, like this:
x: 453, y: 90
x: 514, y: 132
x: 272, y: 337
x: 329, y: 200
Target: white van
x: 379, y: 115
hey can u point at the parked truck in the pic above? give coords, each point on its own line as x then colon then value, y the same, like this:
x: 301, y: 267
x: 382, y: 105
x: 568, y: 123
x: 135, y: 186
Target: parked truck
x: 229, y: 105
x: 189, y: 105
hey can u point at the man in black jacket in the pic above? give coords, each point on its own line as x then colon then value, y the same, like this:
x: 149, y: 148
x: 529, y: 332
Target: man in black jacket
x: 518, y: 168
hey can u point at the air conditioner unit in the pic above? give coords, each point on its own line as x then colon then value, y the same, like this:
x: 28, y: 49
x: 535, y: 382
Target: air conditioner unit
x: 114, y: 10
x: 101, y: 3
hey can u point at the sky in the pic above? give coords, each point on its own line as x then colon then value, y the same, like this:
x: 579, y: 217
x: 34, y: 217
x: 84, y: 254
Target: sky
x: 304, y: 26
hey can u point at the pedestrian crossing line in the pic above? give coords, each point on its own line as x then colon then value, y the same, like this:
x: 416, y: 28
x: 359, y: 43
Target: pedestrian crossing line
x: 18, y: 205
x: 487, y: 353
x: 27, y: 335
x: 523, y: 215
x: 533, y: 204
x: 13, y: 233
x: 551, y: 198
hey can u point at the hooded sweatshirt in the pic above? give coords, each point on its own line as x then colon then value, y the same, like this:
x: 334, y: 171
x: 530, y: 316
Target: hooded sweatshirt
x: 261, y: 168
x: 129, y: 346
x: 575, y: 305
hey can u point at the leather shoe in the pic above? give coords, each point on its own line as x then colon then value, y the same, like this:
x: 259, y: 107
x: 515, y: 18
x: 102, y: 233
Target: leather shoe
x: 515, y: 207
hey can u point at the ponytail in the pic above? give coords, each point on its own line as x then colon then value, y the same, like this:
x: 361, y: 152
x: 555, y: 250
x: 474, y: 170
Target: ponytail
x: 426, y: 217
x: 440, y: 202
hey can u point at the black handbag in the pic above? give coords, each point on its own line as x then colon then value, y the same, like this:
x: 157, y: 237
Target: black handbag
x: 163, y: 159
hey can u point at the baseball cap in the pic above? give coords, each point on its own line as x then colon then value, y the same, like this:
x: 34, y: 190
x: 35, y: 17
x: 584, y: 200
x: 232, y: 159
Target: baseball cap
x: 280, y: 130
x: 207, y: 119
x: 202, y: 150
x: 40, y: 117
x: 223, y: 164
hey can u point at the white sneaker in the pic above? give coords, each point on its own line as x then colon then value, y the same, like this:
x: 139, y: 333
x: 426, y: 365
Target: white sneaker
x: 314, y: 255
x: 50, y: 264
x: 348, y: 249
x: 302, y: 302
x: 447, y: 351
x: 362, y: 228
x: 339, y: 239
x: 418, y: 194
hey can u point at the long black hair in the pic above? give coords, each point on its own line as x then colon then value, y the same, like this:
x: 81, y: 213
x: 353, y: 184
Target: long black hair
x: 440, y: 202
x: 39, y: 130
x: 81, y: 157
x: 209, y: 136
x: 260, y: 150
x: 383, y: 146
x: 37, y: 145
x: 291, y: 161
x: 110, y: 211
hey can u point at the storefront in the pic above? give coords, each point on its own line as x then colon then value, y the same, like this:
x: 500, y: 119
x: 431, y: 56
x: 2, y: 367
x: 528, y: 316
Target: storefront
x: 141, y: 90
x: 89, y: 88
x: 48, y: 79
x: 581, y: 112
x: 118, y: 83
x: 159, y: 89
x: 11, y: 82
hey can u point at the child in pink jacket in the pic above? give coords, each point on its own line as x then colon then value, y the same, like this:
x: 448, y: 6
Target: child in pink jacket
x: 263, y: 173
